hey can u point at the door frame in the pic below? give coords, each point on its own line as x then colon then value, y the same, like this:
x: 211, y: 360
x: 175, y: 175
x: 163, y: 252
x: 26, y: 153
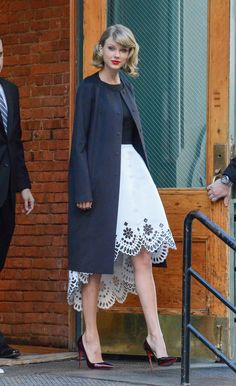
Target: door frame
x: 94, y: 22
x: 232, y: 136
x: 73, y: 81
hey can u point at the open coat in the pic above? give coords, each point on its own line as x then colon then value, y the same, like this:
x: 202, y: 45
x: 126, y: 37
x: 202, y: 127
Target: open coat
x: 94, y: 172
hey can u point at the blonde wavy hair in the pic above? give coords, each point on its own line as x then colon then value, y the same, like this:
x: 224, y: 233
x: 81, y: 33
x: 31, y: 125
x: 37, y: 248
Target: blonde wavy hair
x: 123, y: 36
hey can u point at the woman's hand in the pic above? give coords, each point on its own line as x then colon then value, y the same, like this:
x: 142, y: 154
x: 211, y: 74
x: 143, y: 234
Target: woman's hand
x: 84, y: 205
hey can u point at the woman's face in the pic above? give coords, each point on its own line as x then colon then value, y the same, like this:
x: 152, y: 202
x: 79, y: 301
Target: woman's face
x: 114, y: 55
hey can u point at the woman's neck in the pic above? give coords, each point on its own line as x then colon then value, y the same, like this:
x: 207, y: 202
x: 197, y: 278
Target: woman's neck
x: 111, y: 77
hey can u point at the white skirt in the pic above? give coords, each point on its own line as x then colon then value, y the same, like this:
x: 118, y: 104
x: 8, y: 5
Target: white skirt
x: 141, y: 223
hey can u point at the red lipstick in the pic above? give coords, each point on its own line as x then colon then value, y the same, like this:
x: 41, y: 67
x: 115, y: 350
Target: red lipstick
x: 115, y: 62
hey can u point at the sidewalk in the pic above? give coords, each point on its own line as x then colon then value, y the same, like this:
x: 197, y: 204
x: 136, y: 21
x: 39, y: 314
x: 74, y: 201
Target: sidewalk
x: 126, y: 372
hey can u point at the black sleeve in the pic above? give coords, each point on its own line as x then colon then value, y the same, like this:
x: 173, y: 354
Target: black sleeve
x: 79, y: 176
x: 230, y: 171
x: 22, y: 175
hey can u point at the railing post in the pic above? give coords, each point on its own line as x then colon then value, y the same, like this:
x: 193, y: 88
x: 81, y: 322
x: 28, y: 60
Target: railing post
x: 186, y: 294
x: 188, y: 272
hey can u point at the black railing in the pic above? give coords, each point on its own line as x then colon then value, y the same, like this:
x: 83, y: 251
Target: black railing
x: 188, y: 272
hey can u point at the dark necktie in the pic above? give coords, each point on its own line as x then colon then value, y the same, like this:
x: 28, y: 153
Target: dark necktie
x: 3, y: 110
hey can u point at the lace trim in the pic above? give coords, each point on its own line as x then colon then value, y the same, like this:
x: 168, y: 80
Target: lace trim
x: 117, y: 286
x: 113, y: 288
x: 156, y: 242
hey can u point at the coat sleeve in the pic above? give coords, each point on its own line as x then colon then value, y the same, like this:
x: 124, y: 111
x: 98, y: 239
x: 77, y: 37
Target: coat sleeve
x: 79, y: 176
x: 231, y: 170
x: 22, y: 176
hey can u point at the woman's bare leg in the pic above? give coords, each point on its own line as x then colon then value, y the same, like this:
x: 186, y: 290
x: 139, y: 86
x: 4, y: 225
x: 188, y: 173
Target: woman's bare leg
x: 89, y: 300
x: 147, y: 294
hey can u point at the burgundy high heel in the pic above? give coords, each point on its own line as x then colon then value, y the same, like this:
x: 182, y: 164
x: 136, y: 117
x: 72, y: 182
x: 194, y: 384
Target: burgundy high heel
x: 164, y: 361
x: 97, y: 366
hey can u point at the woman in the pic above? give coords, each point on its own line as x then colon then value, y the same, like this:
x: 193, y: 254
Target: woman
x: 117, y: 224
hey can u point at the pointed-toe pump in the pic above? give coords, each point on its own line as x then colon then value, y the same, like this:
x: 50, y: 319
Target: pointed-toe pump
x: 164, y: 361
x: 98, y: 365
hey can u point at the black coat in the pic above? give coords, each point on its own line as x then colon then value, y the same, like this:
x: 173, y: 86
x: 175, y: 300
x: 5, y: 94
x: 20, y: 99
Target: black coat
x: 231, y: 170
x: 13, y: 173
x: 94, y: 172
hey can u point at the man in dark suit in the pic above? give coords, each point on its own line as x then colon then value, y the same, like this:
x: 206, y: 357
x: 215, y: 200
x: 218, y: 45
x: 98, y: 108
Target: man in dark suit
x: 13, y: 175
x: 221, y: 188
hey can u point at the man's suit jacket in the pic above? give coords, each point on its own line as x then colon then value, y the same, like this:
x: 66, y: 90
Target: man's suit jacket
x: 231, y: 170
x: 13, y: 173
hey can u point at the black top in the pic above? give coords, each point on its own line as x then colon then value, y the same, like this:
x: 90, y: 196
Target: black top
x: 128, y: 125
x: 113, y: 87
x: 128, y: 121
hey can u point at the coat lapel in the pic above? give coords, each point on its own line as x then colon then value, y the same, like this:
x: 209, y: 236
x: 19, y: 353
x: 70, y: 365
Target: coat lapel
x: 129, y: 100
x: 2, y: 131
x: 9, y: 107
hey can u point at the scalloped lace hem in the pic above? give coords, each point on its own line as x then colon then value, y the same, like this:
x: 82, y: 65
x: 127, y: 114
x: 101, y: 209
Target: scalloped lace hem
x: 116, y: 287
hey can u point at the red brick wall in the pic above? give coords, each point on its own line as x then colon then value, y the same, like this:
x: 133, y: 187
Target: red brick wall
x: 33, y: 308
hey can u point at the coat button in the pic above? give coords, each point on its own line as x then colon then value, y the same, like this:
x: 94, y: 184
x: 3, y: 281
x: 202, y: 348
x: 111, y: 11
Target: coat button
x: 6, y: 165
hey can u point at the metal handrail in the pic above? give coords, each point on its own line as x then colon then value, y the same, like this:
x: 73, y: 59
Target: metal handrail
x: 188, y: 272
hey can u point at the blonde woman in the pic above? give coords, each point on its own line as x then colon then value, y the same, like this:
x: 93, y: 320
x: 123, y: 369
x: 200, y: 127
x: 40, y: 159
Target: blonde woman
x: 117, y: 224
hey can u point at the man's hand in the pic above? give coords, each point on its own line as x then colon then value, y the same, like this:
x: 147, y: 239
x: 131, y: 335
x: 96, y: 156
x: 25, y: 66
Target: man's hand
x: 28, y: 201
x: 218, y: 190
